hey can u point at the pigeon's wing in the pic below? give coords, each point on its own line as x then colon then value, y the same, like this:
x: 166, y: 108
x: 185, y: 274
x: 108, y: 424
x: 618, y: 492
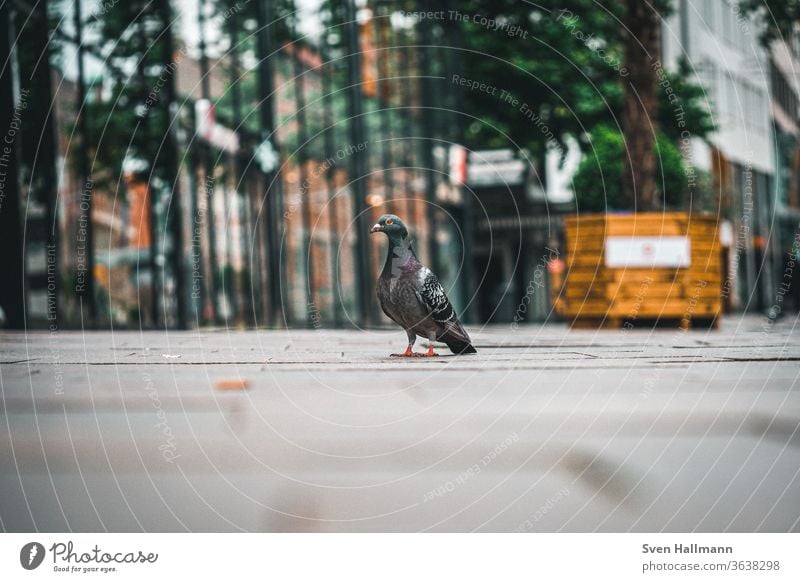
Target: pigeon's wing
x: 441, y: 312
x: 433, y: 297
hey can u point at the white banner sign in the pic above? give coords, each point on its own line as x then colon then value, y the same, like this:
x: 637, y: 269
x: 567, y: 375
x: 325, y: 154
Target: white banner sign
x: 495, y: 168
x: 648, y: 251
x: 214, y: 133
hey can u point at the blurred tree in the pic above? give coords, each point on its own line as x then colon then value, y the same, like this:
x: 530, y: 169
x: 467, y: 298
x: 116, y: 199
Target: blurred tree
x: 238, y: 23
x: 565, y: 64
x: 124, y: 125
x: 691, y: 102
x: 642, y: 48
x: 127, y: 125
x: 778, y: 17
x: 605, y: 165
x: 553, y: 58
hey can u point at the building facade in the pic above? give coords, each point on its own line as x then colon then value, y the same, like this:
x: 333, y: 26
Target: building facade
x: 744, y: 154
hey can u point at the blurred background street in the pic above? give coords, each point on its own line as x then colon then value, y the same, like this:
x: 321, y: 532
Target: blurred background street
x: 543, y: 430
x: 180, y: 164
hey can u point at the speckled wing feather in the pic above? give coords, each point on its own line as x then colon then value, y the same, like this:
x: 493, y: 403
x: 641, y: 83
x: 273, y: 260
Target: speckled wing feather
x: 442, y: 313
x: 433, y: 296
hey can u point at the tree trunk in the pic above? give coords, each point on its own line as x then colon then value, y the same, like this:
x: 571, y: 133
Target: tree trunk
x: 640, y: 116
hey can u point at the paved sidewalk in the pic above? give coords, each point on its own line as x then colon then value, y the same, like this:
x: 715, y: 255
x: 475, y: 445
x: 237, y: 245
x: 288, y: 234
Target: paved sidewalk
x: 544, y: 430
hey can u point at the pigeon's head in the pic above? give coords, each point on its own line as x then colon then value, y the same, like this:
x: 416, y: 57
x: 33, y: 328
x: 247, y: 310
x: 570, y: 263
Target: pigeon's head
x: 391, y: 225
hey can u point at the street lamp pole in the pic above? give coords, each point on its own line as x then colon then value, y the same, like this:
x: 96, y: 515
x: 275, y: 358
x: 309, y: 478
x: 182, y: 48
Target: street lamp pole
x: 87, y: 188
x: 175, y: 211
x: 265, y: 46
x: 358, y: 165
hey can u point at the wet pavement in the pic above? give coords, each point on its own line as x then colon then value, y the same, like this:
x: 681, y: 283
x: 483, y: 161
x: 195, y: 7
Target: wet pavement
x: 545, y: 429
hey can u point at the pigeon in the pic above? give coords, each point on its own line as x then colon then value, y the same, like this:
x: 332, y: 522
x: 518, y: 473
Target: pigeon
x: 411, y: 295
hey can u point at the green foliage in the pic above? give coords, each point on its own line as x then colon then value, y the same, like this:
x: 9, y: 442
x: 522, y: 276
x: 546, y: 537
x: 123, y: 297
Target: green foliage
x: 705, y: 197
x: 671, y: 179
x: 598, y: 181
x: 238, y: 22
x: 567, y: 67
x: 129, y: 39
x: 779, y: 18
x: 691, y: 103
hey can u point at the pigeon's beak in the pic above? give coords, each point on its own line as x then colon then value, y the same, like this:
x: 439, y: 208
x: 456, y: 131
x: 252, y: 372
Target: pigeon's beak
x: 375, y: 228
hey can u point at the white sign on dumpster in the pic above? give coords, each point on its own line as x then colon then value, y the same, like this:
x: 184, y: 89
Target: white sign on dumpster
x: 648, y: 251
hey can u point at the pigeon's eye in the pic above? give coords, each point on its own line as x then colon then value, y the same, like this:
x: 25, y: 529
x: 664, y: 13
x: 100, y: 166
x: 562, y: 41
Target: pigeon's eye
x: 389, y: 221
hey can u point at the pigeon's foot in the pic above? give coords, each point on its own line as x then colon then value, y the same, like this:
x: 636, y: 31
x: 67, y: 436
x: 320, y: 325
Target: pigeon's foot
x: 430, y: 353
x: 409, y: 353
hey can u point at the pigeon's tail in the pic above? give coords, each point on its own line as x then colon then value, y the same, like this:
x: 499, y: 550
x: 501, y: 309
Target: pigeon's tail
x: 458, y: 343
x: 461, y: 348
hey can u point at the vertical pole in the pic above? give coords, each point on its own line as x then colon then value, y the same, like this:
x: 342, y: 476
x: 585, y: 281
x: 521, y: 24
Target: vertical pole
x: 327, y: 72
x: 267, y: 118
x: 409, y: 119
x: 684, y: 16
x: 246, y: 276
x: 383, y: 55
x: 456, y: 40
x: 209, y: 183
x: 205, y: 81
x: 30, y: 66
x: 171, y: 163
x: 12, y: 291
x: 305, y: 194
x: 430, y: 134
x: 144, y: 131
x: 198, y: 294
x: 86, y: 193
x: 358, y: 166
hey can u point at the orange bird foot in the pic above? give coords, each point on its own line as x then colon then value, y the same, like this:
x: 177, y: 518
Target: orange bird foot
x: 430, y: 353
x: 409, y: 353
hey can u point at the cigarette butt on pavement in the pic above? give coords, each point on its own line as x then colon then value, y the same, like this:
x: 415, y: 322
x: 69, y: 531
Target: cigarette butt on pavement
x: 231, y: 384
